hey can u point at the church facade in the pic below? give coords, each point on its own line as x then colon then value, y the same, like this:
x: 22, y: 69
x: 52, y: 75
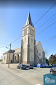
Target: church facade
x: 30, y: 52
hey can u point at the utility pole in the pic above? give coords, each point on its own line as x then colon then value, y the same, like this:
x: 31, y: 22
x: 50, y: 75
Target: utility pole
x: 9, y: 56
x: 10, y: 46
x: 10, y: 51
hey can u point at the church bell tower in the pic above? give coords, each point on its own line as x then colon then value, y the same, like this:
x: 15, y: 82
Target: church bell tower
x: 28, y: 39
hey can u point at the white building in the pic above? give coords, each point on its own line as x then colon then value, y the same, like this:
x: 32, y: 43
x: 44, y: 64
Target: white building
x: 31, y: 52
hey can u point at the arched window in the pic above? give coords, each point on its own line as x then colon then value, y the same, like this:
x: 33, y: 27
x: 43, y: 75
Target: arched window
x: 39, y: 54
x: 15, y: 57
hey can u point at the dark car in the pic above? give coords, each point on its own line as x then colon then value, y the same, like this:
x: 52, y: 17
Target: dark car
x: 27, y: 66
x: 31, y: 67
x: 20, y: 66
x: 23, y: 67
x: 53, y: 70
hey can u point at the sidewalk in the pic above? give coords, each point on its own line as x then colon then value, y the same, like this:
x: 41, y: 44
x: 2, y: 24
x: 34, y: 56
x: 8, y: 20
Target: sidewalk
x: 11, y: 65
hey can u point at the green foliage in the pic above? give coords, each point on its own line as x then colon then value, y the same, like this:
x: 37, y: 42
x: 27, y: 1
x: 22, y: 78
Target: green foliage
x: 52, y: 62
x: 0, y: 60
x: 47, y: 61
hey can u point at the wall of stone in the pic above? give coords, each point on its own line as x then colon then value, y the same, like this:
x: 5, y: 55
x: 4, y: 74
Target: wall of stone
x: 11, y: 58
x: 4, y: 58
x: 39, y: 53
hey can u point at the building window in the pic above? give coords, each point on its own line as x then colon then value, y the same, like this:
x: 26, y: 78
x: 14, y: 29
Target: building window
x: 31, y: 37
x: 39, y: 54
x: 25, y: 31
x: 43, y: 54
x: 4, y: 57
x: 15, y: 57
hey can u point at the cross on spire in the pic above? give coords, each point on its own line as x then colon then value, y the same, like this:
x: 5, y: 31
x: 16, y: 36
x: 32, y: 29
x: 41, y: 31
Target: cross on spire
x: 29, y: 8
x: 29, y: 19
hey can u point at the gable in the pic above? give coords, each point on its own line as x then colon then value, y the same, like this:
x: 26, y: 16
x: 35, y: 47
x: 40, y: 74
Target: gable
x: 39, y: 46
x: 17, y: 50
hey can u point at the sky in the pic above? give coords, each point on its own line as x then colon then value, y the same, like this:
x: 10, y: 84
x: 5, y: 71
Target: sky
x: 13, y: 16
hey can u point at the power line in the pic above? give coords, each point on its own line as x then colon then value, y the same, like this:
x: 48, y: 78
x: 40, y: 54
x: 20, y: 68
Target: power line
x: 4, y: 50
x: 17, y: 43
x: 44, y: 14
x: 49, y: 39
x: 36, y: 22
x: 41, y: 31
x: 16, y: 39
x: 17, y: 47
x: 48, y: 26
x: 45, y: 28
x: 45, y: 22
x: 4, y: 44
x: 45, y: 40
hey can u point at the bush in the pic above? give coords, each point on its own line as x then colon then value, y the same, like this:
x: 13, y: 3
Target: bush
x: 0, y: 60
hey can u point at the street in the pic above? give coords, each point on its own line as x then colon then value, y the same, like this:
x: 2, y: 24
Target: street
x: 9, y: 78
x: 12, y: 76
x: 36, y: 73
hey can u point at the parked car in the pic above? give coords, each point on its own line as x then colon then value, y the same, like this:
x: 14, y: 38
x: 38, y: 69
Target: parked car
x: 23, y: 67
x: 53, y: 70
x: 53, y: 64
x: 39, y: 65
x: 45, y: 65
x: 27, y: 66
x: 31, y: 67
x: 20, y: 66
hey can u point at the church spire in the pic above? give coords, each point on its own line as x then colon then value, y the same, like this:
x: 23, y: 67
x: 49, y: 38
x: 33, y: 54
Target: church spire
x: 29, y: 20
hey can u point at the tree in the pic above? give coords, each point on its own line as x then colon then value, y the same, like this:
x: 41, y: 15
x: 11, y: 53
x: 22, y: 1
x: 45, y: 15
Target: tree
x: 52, y: 59
x: 47, y: 61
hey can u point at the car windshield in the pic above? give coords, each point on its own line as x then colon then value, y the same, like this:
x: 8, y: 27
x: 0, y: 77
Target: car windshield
x: 27, y: 64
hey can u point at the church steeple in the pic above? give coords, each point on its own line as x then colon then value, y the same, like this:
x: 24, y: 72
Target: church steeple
x: 29, y: 20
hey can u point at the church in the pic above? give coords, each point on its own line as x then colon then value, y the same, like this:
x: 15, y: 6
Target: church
x: 30, y: 52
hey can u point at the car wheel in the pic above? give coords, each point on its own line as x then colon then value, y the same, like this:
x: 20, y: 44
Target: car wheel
x: 51, y: 72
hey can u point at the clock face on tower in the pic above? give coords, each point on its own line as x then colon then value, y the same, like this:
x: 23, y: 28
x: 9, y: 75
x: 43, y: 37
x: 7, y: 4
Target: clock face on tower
x: 24, y: 38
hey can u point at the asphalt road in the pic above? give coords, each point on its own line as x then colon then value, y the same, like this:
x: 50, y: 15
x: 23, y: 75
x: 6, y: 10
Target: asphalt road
x: 12, y: 78
x: 35, y: 73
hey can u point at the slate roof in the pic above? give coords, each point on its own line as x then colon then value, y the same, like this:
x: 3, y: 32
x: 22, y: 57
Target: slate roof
x: 29, y: 20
